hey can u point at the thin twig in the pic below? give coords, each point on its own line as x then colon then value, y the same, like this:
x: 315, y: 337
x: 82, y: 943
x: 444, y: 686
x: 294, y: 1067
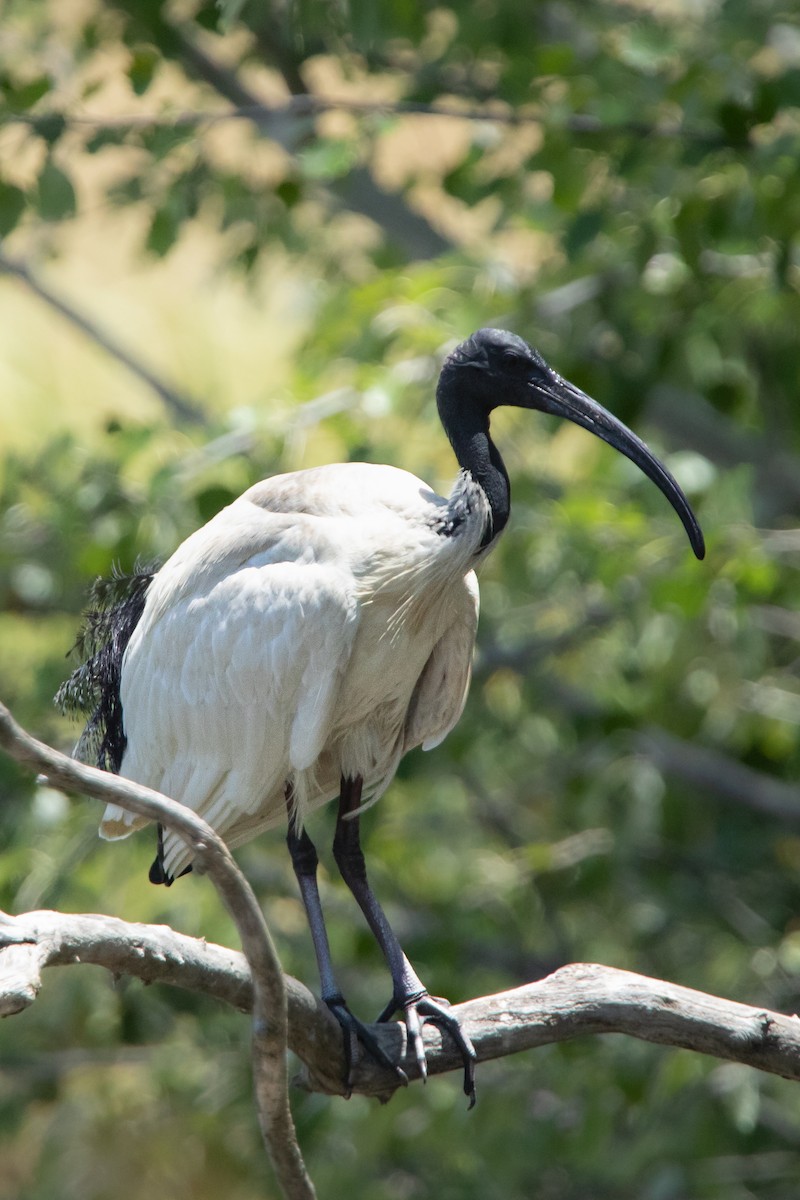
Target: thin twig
x: 212, y: 856
x: 181, y: 406
x: 306, y: 105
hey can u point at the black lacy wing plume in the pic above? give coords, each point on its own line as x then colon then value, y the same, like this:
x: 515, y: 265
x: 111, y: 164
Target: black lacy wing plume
x: 92, y: 690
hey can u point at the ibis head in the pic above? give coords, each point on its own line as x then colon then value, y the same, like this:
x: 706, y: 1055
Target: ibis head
x: 494, y: 368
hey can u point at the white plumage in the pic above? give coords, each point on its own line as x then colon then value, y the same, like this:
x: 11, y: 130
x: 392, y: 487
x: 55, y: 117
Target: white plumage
x: 318, y: 627
x: 296, y: 647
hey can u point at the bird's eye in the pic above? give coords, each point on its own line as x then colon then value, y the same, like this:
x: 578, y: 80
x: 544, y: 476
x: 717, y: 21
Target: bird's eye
x: 511, y: 359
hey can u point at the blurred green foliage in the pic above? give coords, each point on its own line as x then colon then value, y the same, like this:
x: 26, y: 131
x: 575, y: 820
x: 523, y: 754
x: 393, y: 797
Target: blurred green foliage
x: 639, y: 226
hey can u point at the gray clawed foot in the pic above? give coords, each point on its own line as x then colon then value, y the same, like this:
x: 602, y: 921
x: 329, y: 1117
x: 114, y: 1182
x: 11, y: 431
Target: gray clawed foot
x: 422, y: 1009
x: 418, y: 1010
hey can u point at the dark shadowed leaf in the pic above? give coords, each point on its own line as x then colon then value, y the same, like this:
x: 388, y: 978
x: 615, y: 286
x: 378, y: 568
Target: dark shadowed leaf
x: 163, y: 231
x: 145, y: 60
x: 21, y: 96
x: 55, y: 193
x: 12, y: 204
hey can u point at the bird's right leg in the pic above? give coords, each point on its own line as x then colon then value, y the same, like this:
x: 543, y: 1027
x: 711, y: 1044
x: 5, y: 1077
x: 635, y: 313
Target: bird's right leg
x: 304, y: 857
x: 410, y: 996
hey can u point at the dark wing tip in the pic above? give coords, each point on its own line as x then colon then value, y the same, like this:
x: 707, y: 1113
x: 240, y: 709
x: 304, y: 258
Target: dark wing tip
x: 157, y: 874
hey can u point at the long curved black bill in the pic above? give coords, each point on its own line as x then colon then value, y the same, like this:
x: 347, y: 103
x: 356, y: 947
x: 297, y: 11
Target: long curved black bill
x: 563, y: 399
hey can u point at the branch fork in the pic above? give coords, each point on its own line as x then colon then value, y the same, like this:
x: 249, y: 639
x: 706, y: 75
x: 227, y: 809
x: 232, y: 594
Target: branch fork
x: 578, y: 999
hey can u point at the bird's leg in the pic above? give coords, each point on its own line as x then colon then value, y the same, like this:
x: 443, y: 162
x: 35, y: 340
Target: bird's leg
x: 410, y: 995
x: 304, y: 860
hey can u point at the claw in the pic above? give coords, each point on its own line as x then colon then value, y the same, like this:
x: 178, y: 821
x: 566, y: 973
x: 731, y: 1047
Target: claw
x: 434, y: 1011
x: 356, y: 1031
x: 414, y: 1027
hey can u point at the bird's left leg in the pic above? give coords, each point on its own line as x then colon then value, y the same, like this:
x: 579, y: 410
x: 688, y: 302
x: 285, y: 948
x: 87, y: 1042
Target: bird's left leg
x: 410, y: 995
x: 303, y: 854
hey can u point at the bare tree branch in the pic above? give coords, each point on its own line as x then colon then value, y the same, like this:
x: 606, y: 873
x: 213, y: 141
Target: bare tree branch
x: 225, y: 80
x: 359, y: 191
x: 305, y: 104
x: 718, y: 774
x: 577, y: 999
x: 181, y: 407
x: 159, y: 954
x: 582, y: 998
x: 212, y: 856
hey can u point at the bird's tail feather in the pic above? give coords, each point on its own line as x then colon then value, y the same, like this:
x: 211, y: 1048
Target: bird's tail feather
x: 92, y: 690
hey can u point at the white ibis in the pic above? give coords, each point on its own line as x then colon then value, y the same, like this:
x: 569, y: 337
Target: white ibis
x: 291, y: 651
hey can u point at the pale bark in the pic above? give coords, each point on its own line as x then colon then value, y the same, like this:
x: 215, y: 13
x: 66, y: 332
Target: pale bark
x: 577, y: 999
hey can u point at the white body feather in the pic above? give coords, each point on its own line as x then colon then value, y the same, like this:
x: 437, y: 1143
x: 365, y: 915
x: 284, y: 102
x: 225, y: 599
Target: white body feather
x: 321, y: 625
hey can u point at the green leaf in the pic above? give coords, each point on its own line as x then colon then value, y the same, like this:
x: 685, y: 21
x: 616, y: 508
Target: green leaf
x: 103, y: 138
x: 12, y: 205
x: 163, y: 232
x: 144, y: 62
x: 582, y: 230
x: 555, y: 59
x: 647, y: 48
x: 50, y: 127
x: 289, y: 192
x: 212, y: 499
x: 162, y: 139
x: 127, y: 191
x: 329, y: 159
x: 55, y: 193
x: 24, y: 95
x: 736, y: 120
x: 248, y: 256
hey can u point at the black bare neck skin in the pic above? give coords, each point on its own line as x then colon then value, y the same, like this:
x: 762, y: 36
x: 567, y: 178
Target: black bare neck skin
x: 466, y: 422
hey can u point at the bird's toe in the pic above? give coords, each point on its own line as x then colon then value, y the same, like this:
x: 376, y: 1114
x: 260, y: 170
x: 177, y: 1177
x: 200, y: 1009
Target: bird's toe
x: 421, y: 1009
x: 356, y: 1031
